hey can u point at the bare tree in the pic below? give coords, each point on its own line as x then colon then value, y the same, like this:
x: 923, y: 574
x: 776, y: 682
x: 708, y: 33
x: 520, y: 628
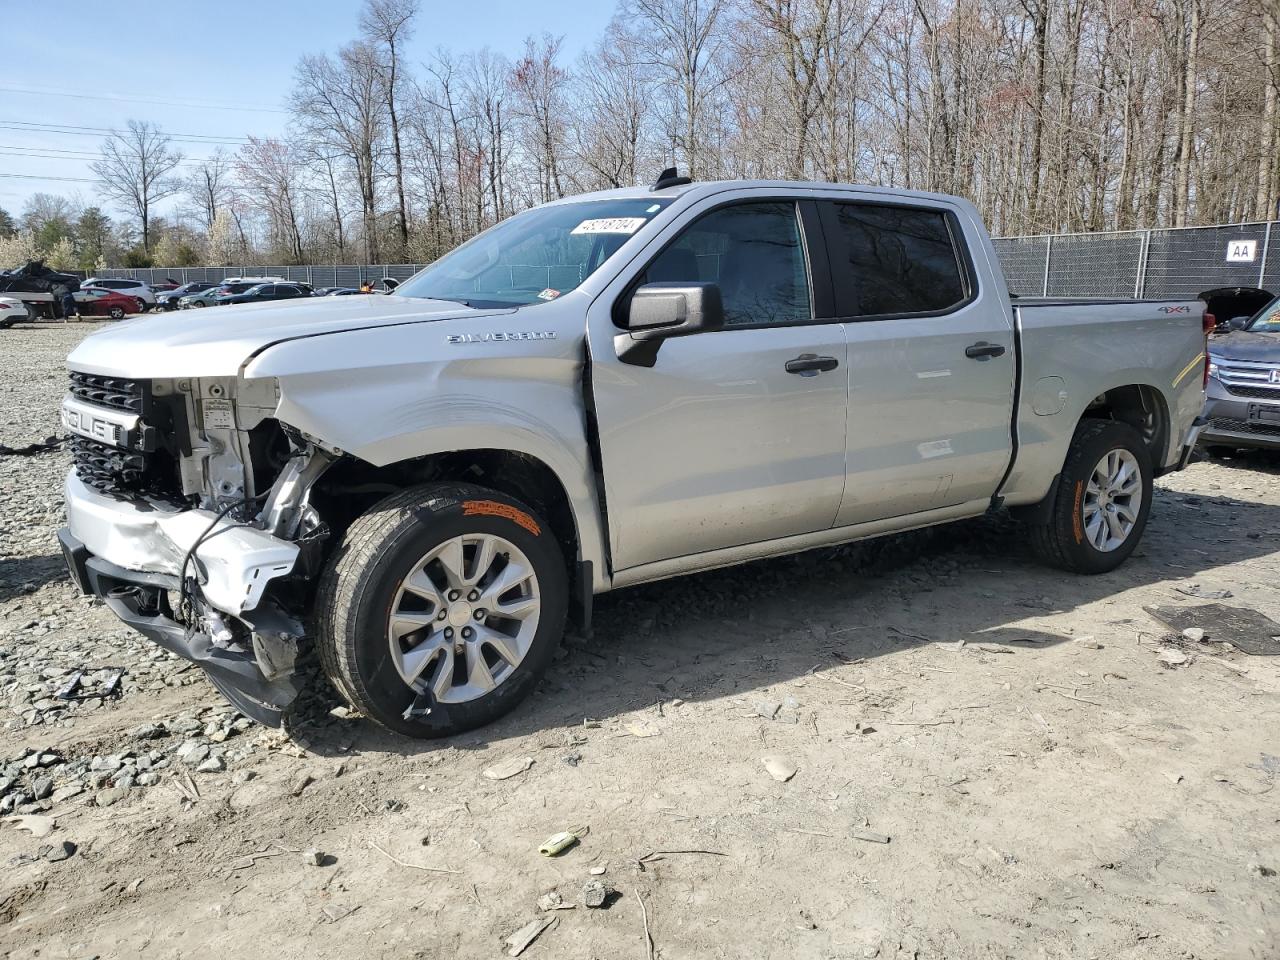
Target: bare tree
x: 209, y: 186
x: 390, y: 24
x: 687, y: 44
x: 269, y: 171
x: 340, y: 103
x: 136, y: 170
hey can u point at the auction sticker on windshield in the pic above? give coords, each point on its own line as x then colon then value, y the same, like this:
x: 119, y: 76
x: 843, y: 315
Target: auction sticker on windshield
x: 627, y: 225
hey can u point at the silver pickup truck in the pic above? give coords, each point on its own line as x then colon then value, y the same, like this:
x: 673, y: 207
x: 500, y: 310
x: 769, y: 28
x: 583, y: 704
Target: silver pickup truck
x: 606, y: 390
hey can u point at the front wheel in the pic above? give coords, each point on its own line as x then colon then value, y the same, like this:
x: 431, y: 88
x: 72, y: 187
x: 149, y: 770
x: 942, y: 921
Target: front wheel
x: 116, y: 313
x: 1102, y: 501
x: 441, y: 609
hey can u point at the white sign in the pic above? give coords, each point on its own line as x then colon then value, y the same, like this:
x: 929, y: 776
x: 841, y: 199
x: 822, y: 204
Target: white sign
x: 1242, y: 251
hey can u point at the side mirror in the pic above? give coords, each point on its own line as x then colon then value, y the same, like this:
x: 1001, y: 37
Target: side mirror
x: 1238, y: 323
x: 660, y: 311
x: 390, y: 282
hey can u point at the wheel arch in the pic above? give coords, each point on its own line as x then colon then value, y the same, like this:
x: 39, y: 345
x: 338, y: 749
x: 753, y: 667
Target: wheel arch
x: 353, y: 484
x: 1141, y: 405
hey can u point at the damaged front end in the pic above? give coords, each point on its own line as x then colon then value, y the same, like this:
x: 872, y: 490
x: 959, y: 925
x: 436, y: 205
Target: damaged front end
x: 189, y: 515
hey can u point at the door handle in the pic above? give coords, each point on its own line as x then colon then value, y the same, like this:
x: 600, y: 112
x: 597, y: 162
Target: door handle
x: 983, y: 350
x: 810, y: 364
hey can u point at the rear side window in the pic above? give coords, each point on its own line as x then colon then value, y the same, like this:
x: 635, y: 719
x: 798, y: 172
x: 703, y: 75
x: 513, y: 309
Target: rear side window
x: 900, y: 260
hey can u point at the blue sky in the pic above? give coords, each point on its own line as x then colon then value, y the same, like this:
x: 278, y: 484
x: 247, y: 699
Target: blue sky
x: 221, y: 69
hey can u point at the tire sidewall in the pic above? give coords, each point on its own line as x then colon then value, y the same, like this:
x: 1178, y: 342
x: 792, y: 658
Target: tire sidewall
x: 1085, y: 556
x: 415, y: 536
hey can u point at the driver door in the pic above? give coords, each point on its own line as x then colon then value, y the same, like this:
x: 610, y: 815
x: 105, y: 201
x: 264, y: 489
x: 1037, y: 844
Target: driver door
x: 718, y: 444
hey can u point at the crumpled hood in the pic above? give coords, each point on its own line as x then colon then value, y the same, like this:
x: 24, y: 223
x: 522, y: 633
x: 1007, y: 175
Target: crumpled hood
x: 217, y: 341
x: 1243, y: 345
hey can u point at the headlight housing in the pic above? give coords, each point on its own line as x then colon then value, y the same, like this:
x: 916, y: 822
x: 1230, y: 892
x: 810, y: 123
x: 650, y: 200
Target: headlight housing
x: 1213, y: 366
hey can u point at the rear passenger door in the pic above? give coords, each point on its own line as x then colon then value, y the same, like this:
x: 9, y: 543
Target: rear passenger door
x: 930, y: 363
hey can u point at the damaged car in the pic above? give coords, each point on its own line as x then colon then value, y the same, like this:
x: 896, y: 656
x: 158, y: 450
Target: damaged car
x: 424, y: 489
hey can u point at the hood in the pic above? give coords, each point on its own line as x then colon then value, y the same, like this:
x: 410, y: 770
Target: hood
x: 217, y: 343
x: 1243, y: 345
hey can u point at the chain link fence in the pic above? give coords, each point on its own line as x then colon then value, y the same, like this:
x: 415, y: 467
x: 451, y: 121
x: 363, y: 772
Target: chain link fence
x: 1143, y: 263
x: 1134, y: 263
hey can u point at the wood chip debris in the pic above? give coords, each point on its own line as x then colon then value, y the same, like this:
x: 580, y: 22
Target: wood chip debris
x: 780, y: 768
x: 508, y: 768
x: 520, y: 940
x: 869, y: 836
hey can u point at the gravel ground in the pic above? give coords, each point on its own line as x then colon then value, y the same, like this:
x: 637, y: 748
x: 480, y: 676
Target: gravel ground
x: 926, y: 747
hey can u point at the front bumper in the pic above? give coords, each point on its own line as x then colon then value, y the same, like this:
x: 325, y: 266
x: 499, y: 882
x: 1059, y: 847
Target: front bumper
x: 130, y: 555
x: 235, y: 563
x: 1233, y: 420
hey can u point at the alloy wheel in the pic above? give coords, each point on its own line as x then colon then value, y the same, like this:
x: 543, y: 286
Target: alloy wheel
x: 1112, y: 500
x: 464, y: 617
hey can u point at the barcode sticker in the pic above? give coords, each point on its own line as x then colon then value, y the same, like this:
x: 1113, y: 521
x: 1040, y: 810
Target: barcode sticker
x: 627, y: 225
x: 218, y: 416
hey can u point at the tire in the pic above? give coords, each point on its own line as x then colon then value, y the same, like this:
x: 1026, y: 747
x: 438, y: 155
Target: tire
x: 364, y: 584
x: 1068, y: 540
x: 199, y: 303
x: 116, y: 313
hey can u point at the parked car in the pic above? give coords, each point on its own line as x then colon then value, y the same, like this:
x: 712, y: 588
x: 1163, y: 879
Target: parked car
x: 169, y: 300
x: 1243, y: 404
x: 266, y: 291
x: 207, y: 298
x: 163, y: 286
x: 416, y: 484
x: 134, y: 288
x: 95, y: 301
x: 256, y: 280
x: 13, y: 310
x: 335, y: 291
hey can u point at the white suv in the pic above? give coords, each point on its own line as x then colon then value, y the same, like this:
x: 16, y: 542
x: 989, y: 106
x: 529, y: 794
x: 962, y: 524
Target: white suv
x: 134, y: 288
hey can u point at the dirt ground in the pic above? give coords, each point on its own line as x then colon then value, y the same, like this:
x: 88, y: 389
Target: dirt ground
x: 1048, y: 786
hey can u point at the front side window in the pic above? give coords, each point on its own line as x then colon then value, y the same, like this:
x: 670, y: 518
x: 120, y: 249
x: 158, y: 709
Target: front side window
x: 753, y: 252
x: 535, y: 256
x: 901, y: 260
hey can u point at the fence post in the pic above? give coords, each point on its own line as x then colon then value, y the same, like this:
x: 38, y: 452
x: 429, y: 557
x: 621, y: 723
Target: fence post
x: 1142, y: 266
x: 1048, y: 254
x: 1266, y: 246
x: 1143, y: 243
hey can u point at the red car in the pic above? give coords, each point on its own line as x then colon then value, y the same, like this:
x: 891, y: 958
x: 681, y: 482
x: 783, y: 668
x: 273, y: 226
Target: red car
x: 97, y: 301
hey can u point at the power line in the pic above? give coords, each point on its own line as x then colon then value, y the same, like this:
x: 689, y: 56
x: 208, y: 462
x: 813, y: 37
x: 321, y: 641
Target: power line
x: 33, y: 176
x: 82, y: 131
x: 81, y: 156
x: 121, y: 98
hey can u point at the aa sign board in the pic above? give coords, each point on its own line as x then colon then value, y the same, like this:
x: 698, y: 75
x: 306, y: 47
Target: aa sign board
x: 1242, y: 251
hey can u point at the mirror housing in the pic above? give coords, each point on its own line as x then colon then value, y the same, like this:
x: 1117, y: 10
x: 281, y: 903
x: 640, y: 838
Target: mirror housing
x: 660, y: 311
x: 1238, y: 323
x: 390, y: 282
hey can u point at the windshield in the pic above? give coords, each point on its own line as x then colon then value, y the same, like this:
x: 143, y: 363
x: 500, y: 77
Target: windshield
x: 534, y: 256
x: 1268, y: 321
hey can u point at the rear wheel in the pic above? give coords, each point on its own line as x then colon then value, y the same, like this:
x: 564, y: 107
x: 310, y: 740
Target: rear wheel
x: 116, y: 313
x: 441, y: 609
x: 1102, y: 501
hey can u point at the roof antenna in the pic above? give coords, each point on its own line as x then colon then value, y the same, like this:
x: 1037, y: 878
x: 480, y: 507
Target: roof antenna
x: 670, y: 178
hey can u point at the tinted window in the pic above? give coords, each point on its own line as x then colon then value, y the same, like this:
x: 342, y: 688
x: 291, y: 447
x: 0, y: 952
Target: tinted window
x: 755, y: 254
x: 901, y: 260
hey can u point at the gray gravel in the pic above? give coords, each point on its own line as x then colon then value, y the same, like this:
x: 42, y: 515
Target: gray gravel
x: 54, y: 640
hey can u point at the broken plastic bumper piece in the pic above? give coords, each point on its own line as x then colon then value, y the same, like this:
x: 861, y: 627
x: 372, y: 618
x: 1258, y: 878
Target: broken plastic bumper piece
x: 131, y: 556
